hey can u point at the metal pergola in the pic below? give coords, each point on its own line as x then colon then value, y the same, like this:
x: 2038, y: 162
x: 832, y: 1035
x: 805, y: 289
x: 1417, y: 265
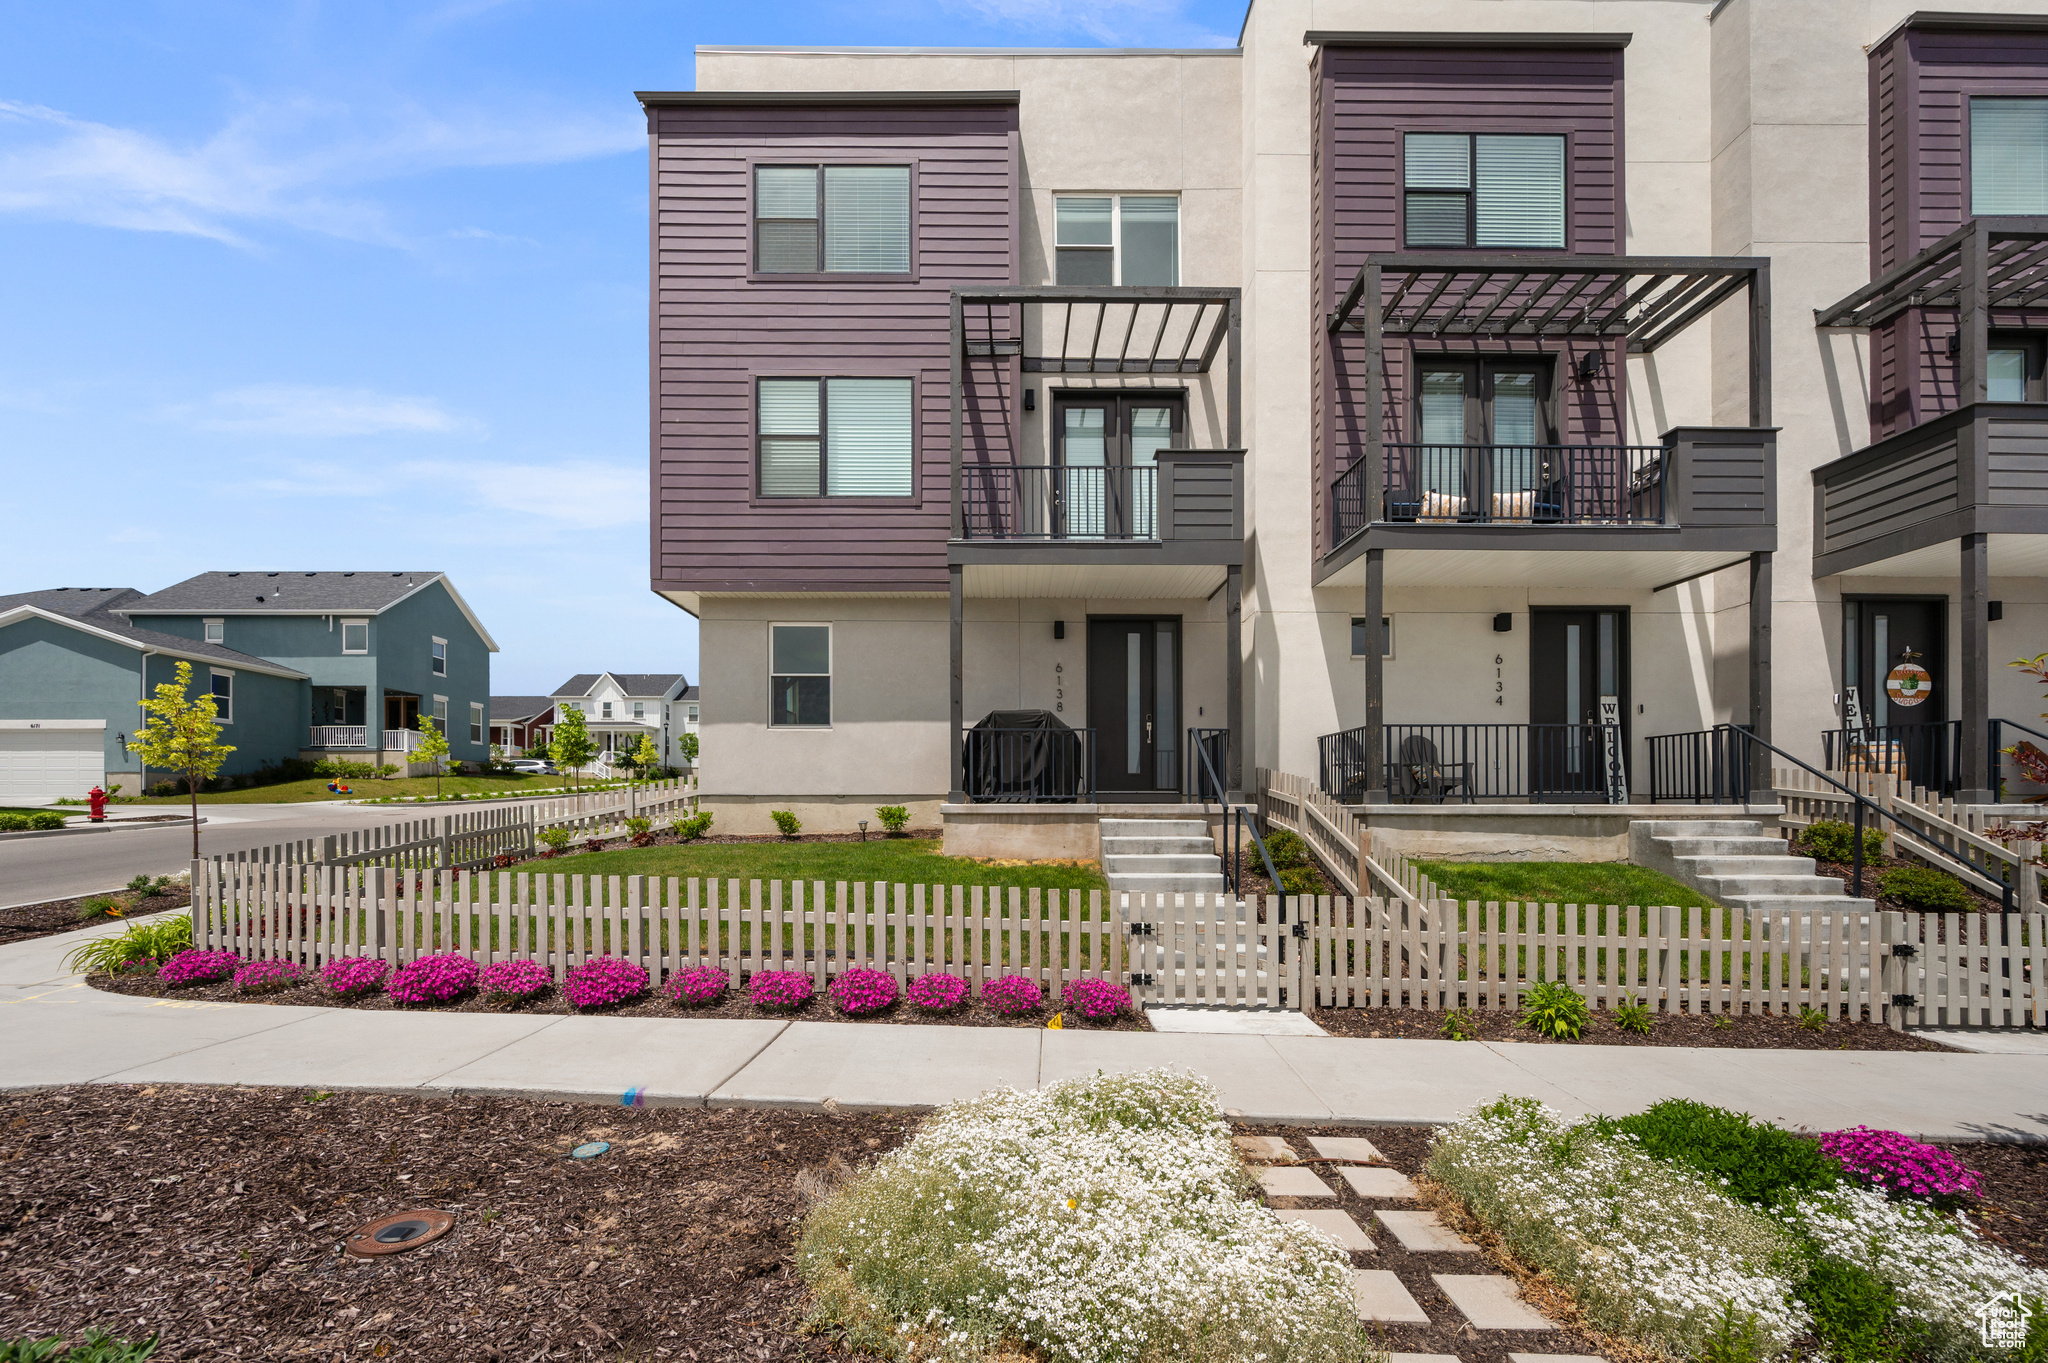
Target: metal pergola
x: 1986, y: 264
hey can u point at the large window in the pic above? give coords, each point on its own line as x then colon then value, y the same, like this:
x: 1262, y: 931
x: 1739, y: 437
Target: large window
x: 2008, y: 156
x: 224, y: 696
x: 440, y: 657
x: 832, y: 219
x: 2015, y: 365
x: 1106, y: 239
x: 476, y: 722
x: 800, y: 675
x: 1483, y: 189
x: 835, y: 437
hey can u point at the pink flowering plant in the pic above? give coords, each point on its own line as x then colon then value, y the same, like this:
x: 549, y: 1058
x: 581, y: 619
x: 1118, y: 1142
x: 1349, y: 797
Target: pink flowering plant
x: 698, y: 987
x: 1096, y: 999
x: 1899, y: 1166
x: 937, y: 992
x: 193, y: 966
x: 860, y: 992
x: 354, y: 976
x: 433, y: 979
x: 266, y: 977
x: 780, y: 989
x: 508, y: 982
x: 604, y: 980
x: 1013, y: 995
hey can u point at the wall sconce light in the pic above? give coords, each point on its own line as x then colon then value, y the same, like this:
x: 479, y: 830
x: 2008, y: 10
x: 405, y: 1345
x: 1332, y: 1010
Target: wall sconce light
x: 1059, y: 629
x: 1030, y: 399
x: 1994, y: 610
x: 1504, y: 623
x: 1955, y: 343
x: 1591, y: 365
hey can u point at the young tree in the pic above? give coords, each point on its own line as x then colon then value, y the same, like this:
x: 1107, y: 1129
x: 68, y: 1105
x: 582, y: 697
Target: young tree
x: 646, y: 757
x: 182, y: 734
x: 572, y: 746
x: 433, y: 748
x: 688, y: 744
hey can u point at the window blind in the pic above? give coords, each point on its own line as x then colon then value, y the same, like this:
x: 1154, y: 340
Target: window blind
x: 867, y: 219
x: 789, y: 430
x: 1514, y: 409
x: 1151, y: 241
x: 2008, y: 376
x: 1437, y: 161
x: 1520, y: 184
x: 786, y: 205
x: 867, y: 438
x: 2008, y: 156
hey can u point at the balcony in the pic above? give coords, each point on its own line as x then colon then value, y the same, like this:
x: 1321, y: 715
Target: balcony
x: 340, y: 736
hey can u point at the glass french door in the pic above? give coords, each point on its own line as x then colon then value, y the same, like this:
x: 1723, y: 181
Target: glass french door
x: 1478, y: 424
x: 1134, y: 702
x: 1106, y: 449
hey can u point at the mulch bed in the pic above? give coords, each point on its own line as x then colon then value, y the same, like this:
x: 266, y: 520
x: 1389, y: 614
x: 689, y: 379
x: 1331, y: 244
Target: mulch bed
x: 2015, y: 1207
x: 667, y: 839
x: 1743, y: 1032
x: 820, y: 1009
x: 61, y: 915
x: 215, y: 1217
x: 1873, y: 873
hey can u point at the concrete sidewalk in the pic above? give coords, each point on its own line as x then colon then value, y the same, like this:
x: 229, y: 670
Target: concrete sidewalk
x: 63, y: 1032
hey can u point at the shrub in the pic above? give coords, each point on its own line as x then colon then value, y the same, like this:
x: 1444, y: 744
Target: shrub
x: 1020, y: 1223
x: 1758, y: 1162
x: 99, y: 906
x: 1853, y: 1310
x: 1897, y: 1164
x: 1096, y: 999
x: 1460, y: 1025
x: 504, y: 983
x: 265, y: 977
x: 1650, y: 1249
x: 433, y: 979
x: 1634, y: 1016
x: 193, y: 966
x: 97, y: 1346
x: 1013, y: 995
x: 149, y: 887
x: 39, y: 821
x: 1301, y: 880
x: 13, y: 823
x: 692, y: 828
x: 593, y: 844
x: 1926, y: 889
x: 641, y: 831
x: 354, y: 976
x: 1813, y: 1019
x: 554, y: 840
x: 698, y: 987
x: 604, y: 980
x: 895, y: 818
x: 783, y: 989
x: 141, y: 943
x: 1835, y: 841
x: 1286, y: 848
x: 937, y: 992
x: 1556, y: 1010
x: 860, y: 992
x: 787, y: 821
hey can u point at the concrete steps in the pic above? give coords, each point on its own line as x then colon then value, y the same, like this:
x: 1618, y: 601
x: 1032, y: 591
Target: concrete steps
x: 1161, y: 856
x: 1734, y: 862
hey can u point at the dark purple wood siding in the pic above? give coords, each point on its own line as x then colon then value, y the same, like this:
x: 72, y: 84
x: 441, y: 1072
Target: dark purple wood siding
x: 1365, y: 99
x: 716, y: 329
x: 1920, y: 88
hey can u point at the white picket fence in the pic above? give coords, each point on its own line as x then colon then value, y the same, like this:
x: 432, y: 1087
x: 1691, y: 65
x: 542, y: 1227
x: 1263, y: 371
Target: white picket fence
x: 1957, y: 829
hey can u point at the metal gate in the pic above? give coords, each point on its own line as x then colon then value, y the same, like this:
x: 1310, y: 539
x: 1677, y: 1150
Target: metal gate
x: 1214, y: 950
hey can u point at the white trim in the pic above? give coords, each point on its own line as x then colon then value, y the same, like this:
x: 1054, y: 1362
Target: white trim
x: 20, y: 613
x: 477, y: 722
x: 346, y: 622
x: 214, y: 630
x: 215, y: 672
x: 441, y: 657
x: 439, y: 712
x: 831, y: 653
x: 99, y: 724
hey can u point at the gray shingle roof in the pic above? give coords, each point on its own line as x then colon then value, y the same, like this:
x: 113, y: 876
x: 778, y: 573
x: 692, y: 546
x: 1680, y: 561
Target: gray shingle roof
x: 633, y: 683
x: 689, y: 693
x: 518, y: 707
x: 283, y: 591
x: 73, y: 600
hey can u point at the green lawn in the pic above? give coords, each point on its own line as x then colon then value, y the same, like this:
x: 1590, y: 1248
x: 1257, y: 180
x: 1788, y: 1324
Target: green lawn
x: 1558, y: 882
x: 315, y: 790
x: 909, y: 861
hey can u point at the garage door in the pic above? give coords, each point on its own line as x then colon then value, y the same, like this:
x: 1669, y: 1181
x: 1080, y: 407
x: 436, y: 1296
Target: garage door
x: 46, y: 759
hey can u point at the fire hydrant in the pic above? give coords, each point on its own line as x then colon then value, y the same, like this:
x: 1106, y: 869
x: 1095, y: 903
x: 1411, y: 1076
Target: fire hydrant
x: 97, y: 798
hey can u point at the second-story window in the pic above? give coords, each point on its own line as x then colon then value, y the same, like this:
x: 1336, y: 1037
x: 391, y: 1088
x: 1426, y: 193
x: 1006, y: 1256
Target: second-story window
x: 1107, y: 239
x: 2015, y: 369
x: 1483, y: 189
x: 639, y: 709
x: 835, y: 438
x: 832, y: 220
x: 2008, y: 156
x: 440, y: 657
x: 216, y: 631
x: 607, y: 709
x: 355, y: 636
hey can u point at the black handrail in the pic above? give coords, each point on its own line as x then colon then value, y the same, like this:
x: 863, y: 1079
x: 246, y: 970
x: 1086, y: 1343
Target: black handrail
x: 1859, y: 804
x: 1928, y: 754
x: 1193, y: 784
x: 1997, y: 745
x: 1233, y: 840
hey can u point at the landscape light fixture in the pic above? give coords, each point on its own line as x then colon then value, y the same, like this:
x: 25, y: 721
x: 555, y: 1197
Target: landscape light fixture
x: 399, y: 1231
x: 863, y: 830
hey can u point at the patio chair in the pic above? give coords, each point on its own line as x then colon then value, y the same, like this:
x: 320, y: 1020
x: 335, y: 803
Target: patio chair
x: 1422, y: 775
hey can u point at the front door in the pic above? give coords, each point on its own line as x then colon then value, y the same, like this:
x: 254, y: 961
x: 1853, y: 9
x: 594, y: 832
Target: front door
x: 1106, y: 448
x: 1886, y: 644
x: 1576, y: 656
x: 1134, y: 702
x: 401, y: 712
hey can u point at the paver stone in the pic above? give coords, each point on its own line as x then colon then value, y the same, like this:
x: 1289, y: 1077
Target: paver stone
x: 1266, y: 1149
x: 1490, y: 1301
x: 1381, y: 1297
x: 1423, y: 1233
x: 1285, y: 1182
x: 1375, y: 1181
x: 1336, y: 1224
x: 1356, y: 1149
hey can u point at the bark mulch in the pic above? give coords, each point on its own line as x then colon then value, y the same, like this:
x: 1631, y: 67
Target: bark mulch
x: 312, y: 993
x: 61, y: 915
x: 1743, y: 1031
x: 2014, y: 1211
x: 215, y: 1218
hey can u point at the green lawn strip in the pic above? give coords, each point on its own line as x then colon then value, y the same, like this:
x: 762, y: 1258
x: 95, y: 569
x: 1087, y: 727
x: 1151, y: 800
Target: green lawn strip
x: 1557, y: 882
x: 907, y: 861
x: 315, y: 790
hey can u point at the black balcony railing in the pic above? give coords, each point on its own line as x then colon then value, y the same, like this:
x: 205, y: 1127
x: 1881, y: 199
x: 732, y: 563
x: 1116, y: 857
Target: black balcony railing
x: 1028, y: 765
x: 1200, y: 779
x: 1507, y: 485
x: 1708, y: 766
x: 1060, y: 502
x: 1926, y: 755
x: 1473, y: 762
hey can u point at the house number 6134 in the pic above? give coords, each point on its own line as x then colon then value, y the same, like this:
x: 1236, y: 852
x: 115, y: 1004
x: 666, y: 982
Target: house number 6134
x: 1498, y: 686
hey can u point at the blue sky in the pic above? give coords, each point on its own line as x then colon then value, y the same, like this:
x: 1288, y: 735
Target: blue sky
x: 364, y: 285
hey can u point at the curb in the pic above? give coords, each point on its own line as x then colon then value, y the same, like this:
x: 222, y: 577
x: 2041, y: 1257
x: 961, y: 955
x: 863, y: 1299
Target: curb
x: 106, y: 827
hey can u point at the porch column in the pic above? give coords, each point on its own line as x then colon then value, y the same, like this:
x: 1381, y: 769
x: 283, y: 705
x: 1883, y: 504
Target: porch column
x: 1976, y: 772
x: 955, y: 784
x: 1233, y: 679
x: 1375, y: 691
x: 1761, y: 787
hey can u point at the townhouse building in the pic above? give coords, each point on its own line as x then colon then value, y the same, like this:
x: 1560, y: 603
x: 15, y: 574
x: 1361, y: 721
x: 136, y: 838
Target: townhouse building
x: 1472, y: 400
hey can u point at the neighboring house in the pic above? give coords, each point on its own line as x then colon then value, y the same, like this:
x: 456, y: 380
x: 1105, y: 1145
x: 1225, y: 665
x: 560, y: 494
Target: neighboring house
x: 685, y: 710
x: 520, y: 722
x: 73, y: 670
x: 619, y: 708
x: 1501, y: 355
x: 379, y: 648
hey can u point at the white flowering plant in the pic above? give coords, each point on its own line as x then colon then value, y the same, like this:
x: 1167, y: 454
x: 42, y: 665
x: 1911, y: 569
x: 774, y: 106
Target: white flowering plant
x: 1103, y: 1220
